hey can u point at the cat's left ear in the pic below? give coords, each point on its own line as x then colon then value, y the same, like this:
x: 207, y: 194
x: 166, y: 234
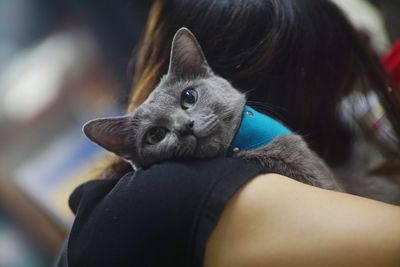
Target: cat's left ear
x: 111, y: 133
x: 187, y: 59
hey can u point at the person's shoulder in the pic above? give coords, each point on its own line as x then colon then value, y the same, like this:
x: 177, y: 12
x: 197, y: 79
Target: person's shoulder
x: 182, y: 199
x: 165, y: 177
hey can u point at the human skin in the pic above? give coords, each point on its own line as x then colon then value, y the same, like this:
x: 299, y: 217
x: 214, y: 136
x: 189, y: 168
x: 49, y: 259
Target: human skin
x: 276, y: 221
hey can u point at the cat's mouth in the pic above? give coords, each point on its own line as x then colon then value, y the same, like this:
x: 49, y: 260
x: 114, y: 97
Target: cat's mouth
x: 202, y: 141
x: 187, y: 146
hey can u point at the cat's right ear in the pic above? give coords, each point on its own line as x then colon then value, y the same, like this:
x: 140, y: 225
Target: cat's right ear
x: 110, y: 133
x: 187, y: 59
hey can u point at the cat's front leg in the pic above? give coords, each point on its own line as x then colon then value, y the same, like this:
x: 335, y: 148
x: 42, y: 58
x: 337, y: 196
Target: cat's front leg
x: 289, y: 155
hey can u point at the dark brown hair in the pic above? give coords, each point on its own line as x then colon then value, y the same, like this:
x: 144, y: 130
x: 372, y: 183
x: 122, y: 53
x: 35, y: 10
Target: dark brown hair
x: 300, y: 57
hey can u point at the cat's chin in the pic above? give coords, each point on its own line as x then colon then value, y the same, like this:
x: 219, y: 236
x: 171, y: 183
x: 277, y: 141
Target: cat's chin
x: 208, y: 147
x: 187, y: 146
x: 191, y: 146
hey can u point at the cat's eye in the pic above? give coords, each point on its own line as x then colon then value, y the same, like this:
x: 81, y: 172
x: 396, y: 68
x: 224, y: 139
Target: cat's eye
x: 155, y: 135
x: 188, y: 98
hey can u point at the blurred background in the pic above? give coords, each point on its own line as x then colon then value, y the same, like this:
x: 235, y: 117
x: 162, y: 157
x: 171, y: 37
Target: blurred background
x: 63, y: 62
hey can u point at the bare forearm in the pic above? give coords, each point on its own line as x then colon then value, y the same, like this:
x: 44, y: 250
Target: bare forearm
x: 276, y: 221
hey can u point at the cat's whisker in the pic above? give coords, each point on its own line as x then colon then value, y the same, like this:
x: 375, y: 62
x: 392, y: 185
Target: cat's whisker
x: 249, y: 91
x: 267, y: 109
x: 225, y: 115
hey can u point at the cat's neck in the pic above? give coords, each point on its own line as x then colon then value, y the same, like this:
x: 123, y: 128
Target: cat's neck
x: 255, y: 130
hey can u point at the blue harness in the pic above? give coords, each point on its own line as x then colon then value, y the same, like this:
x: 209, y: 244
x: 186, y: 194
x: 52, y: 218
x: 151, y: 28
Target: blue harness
x: 255, y: 130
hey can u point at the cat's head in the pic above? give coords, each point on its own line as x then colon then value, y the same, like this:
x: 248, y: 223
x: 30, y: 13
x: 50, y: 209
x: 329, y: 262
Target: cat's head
x: 192, y: 113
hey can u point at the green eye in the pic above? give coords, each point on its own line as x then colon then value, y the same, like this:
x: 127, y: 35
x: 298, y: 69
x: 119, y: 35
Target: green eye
x: 155, y: 135
x: 188, y: 98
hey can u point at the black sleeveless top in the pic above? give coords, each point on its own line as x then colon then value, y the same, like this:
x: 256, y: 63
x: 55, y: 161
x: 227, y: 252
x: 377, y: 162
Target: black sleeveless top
x: 160, y: 216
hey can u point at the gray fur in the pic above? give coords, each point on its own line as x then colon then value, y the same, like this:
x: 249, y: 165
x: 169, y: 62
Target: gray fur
x: 216, y: 117
x: 289, y: 155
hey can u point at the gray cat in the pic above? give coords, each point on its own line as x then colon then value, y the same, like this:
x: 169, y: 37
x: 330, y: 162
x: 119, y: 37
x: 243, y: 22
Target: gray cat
x: 193, y: 113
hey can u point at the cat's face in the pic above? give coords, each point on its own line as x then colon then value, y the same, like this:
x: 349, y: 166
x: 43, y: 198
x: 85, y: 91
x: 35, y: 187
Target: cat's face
x: 192, y: 113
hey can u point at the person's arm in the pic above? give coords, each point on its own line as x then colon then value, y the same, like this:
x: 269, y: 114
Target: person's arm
x: 275, y: 221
